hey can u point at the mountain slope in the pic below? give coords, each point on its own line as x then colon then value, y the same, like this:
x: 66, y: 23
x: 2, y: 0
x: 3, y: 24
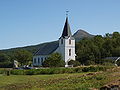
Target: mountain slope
x: 33, y: 48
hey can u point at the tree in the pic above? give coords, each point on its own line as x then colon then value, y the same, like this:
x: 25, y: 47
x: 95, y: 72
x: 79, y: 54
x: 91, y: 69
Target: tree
x: 23, y: 56
x: 5, y: 61
x: 116, y: 52
x: 108, y: 46
x: 4, y: 57
x: 54, y: 60
x: 115, y: 35
x: 87, y: 51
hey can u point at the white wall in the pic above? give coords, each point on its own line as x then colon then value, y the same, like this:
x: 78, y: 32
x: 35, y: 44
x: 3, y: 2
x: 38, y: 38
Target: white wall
x: 39, y: 63
x: 64, y: 49
x: 67, y: 47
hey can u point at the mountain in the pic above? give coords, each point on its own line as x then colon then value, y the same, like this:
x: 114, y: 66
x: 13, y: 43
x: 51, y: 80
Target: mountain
x: 80, y: 34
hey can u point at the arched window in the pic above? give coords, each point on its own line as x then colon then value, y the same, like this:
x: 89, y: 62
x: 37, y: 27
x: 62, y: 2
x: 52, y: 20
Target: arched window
x: 69, y: 52
x: 61, y: 41
x: 69, y: 41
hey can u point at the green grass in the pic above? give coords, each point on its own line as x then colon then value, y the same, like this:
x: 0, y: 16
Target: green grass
x: 59, y: 70
x: 71, y: 81
x: 6, y: 82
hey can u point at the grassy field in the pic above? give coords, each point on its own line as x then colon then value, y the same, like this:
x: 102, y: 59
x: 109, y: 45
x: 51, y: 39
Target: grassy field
x: 73, y: 81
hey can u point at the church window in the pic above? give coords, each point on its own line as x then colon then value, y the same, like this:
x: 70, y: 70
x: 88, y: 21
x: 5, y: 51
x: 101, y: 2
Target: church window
x: 69, y: 52
x: 34, y: 60
x: 41, y: 60
x: 38, y: 60
x: 69, y: 41
x: 61, y: 41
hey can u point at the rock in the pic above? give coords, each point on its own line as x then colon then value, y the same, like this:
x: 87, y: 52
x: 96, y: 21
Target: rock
x: 113, y: 87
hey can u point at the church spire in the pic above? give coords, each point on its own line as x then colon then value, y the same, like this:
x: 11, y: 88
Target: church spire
x: 66, y: 29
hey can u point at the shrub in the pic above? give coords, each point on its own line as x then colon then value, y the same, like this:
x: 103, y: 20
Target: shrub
x: 59, y: 70
x: 17, y: 72
x: 30, y: 72
x: 74, y: 63
x: 78, y: 69
x: 90, y: 62
x: 106, y: 62
x: 94, y: 68
x: 54, y: 60
x: 47, y: 71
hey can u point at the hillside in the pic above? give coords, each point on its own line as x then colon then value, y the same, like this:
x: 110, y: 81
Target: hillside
x: 33, y: 48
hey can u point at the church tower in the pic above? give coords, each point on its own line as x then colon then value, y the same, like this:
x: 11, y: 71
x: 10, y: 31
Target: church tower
x: 67, y: 44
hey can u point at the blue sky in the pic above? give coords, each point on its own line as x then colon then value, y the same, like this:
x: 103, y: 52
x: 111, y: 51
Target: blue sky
x: 30, y: 22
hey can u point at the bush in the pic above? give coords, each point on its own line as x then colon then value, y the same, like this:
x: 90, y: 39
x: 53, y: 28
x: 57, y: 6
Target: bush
x: 17, y: 72
x: 47, y: 71
x: 59, y: 70
x: 90, y: 62
x: 54, y: 60
x: 74, y: 63
x: 30, y: 72
x: 94, y: 68
x: 78, y: 69
x: 106, y: 62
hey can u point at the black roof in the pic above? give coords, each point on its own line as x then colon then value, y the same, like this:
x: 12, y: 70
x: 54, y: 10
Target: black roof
x: 66, y: 29
x: 49, y: 48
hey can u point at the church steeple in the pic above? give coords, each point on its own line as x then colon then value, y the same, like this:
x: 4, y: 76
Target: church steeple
x: 67, y: 43
x: 66, y: 29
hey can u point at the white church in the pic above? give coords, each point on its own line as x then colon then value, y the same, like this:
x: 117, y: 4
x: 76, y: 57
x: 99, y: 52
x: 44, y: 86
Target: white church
x: 65, y: 46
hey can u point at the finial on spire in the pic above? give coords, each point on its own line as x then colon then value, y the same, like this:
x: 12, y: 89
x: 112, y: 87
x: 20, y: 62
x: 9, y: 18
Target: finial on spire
x: 66, y: 29
x: 67, y: 13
